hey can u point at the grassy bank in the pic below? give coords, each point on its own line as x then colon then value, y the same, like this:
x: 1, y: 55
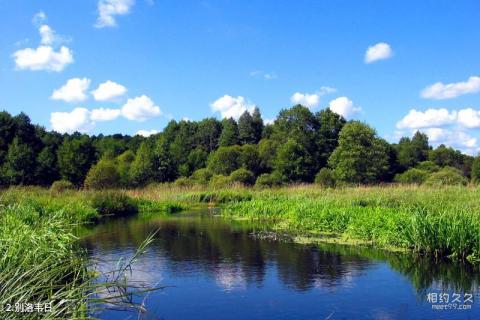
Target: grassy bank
x: 40, y: 258
x: 432, y: 221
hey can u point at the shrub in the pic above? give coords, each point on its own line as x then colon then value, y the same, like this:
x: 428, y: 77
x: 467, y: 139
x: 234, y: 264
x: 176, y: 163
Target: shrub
x: 219, y: 180
x: 476, y: 170
x: 445, y: 177
x: 412, y: 176
x: 243, y: 176
x: 273, y: 179
x: 61, y: 186
x: 325, y: 178
x: 113, y: 203
x: 103, y: 175
x: 202, y: 176
x: 429, y: 166
x: 183, y: 182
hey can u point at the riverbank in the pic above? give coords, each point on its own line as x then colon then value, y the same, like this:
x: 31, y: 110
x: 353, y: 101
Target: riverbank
x: 41, y: 262
x: 441, y: 222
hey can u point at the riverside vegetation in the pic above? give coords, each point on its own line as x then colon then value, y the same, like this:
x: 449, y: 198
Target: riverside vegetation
x: 405, y: 195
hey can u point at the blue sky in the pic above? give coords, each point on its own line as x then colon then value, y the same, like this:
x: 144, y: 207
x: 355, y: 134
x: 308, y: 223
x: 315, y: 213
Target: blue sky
x: 195, y: 59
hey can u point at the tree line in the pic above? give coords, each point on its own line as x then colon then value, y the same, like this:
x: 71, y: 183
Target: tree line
x: 299, y: 147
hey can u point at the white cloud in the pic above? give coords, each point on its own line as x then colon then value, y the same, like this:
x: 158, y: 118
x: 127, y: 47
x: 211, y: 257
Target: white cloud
x: 311, y: 100
x: 45, y: 56
x: 108, y: 9
x: 231, y: 107
x: 108, y: 91
x: 146, y: 133
x: 39, y: 18
x: 440, y: 91
x: 306, y: 99
x: 105, y: 114
x: 379, y: 51
x: 344, y: 107
x: 67, y: 122
x: 140, y: 109
x: 268, y: 121
x: 73, y: 91
x: 469, y: 118
x: 429, y: 118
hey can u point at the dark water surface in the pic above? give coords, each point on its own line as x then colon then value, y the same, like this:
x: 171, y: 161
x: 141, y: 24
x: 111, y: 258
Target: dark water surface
x: 218, y: 271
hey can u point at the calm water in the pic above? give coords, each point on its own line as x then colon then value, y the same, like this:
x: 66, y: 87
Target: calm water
x: 216, y: 270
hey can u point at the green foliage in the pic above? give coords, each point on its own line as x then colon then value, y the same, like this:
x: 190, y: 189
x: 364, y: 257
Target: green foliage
x: 412, y: 176
x: 330, y: 124
x: 361, y: 157
x: 229, y: 135
x: 103, y: 175
x: 294, y: 162
x: 242, y: 176
x: 75, y: 157
x: 428, y: 166
x: 219, y: 181
x: 448, y: 176
x: 60, y: 186
x: 143, y: 168
x: 124, y: 163
x: 201, y: 176
x: 476, y: 170
x: 267, y: 152
x: 325, y: 178
x: 183, y: 182
x: 113, y: 203
x: 19, y: 165
x: 443, y: 156
x: 225, y: 160
x: 412, y: 151
x: 274, y: 179
x: 250, y: 128
x: 250, y: 159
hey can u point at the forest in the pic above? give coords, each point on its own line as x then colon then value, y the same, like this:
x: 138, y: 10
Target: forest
x: 298, y: 147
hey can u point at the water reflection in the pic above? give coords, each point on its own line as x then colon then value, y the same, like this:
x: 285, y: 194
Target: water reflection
x: 199, y: 247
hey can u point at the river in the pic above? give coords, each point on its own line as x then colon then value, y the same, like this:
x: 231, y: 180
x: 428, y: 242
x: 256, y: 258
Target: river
x: 214, y: 269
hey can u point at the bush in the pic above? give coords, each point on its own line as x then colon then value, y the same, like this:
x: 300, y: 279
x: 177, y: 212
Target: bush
x: 273, y: 179
x: 446, y: 177
x: 412, y: 176
x: 113, y: 203
x: 242, y: 176
x: 429, y: 166
x: 219, y: 181
x: 325, y: 178
x: 183, y: 182
x: 103, y: 175
x: 61, y: 186
x: 202, y: 176
x: 476, y: 170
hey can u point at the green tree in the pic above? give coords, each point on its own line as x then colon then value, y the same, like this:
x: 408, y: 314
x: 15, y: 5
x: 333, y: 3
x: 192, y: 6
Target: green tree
x: 446, y: 156
x: 46, y: 171
x: 267, y: 152
x: 103, y: 175
x: 164, y: 169
x: 476, y: 170
x: 124, y: 163
x: 229, y: 135
x: 330, y: 125
x: 197, y: 159
x: 207, y: 134
x: 242, y: 176
x: 325, y: 178
x: 294, y: 162
x: 246, y: 129
x: 225, y: 160
x: 412, y: 151
x: 361, y: 157
x: 257, y: 124
x: 7, y: 133
x: 249, y: 158
x: 143, y: 167
x: 75, y: 157
x: 19, y: 166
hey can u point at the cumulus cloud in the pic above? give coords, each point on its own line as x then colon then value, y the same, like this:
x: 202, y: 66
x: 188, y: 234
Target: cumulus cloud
x: 441, y: 91
x: 39, y: 18
x: 311, y: 100
x: 146, y: 133
x: 68, y: 122
x: 109, y: 9
x: 73, y: 91
x: 140, y: 109
x: 108, y: 91
x: 231, y: 107
x: 444, y: 127
x: 429, y: 118
x: 379, y: 51
x: 45, y: 56
x: 105, y: 114
x: 344, y: 107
